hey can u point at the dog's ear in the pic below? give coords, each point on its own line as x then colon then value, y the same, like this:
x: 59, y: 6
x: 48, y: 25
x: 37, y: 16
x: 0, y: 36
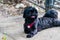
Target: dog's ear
x: 23, y: 15
x: 24, y: 12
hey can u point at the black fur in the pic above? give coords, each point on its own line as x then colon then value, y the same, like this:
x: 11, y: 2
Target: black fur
x: 51, y: 14
x: 47, y: 21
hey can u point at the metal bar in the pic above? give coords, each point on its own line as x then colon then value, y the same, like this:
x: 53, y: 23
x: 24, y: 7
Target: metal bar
x: 42, y: 6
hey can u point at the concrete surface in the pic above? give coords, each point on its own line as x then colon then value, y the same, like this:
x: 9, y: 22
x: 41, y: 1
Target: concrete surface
x: 12, y: 27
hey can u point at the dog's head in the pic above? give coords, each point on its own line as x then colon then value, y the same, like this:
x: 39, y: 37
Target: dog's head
x: 51, y: 14
x: 30, y: 12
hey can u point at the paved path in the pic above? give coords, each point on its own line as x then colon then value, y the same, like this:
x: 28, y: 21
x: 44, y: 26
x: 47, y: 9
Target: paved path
x: 12, y: 27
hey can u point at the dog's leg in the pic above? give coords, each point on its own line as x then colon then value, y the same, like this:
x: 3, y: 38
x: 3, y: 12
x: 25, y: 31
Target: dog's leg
x: 26, y: 30
x: 34, y: 31
x: 55, y: 23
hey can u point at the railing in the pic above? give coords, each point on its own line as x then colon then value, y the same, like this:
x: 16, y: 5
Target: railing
x: 42, y: 6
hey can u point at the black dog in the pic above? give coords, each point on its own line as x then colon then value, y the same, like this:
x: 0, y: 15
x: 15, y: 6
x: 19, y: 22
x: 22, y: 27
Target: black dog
x: 33, y: 24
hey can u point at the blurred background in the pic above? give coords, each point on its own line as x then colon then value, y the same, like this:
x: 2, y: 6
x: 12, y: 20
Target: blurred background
x: 16, y: 7
x: 11, y: 19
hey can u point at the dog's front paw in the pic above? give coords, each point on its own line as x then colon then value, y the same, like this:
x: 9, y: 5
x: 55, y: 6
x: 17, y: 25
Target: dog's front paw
x: 26, y: 32
x: 29, y: 35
